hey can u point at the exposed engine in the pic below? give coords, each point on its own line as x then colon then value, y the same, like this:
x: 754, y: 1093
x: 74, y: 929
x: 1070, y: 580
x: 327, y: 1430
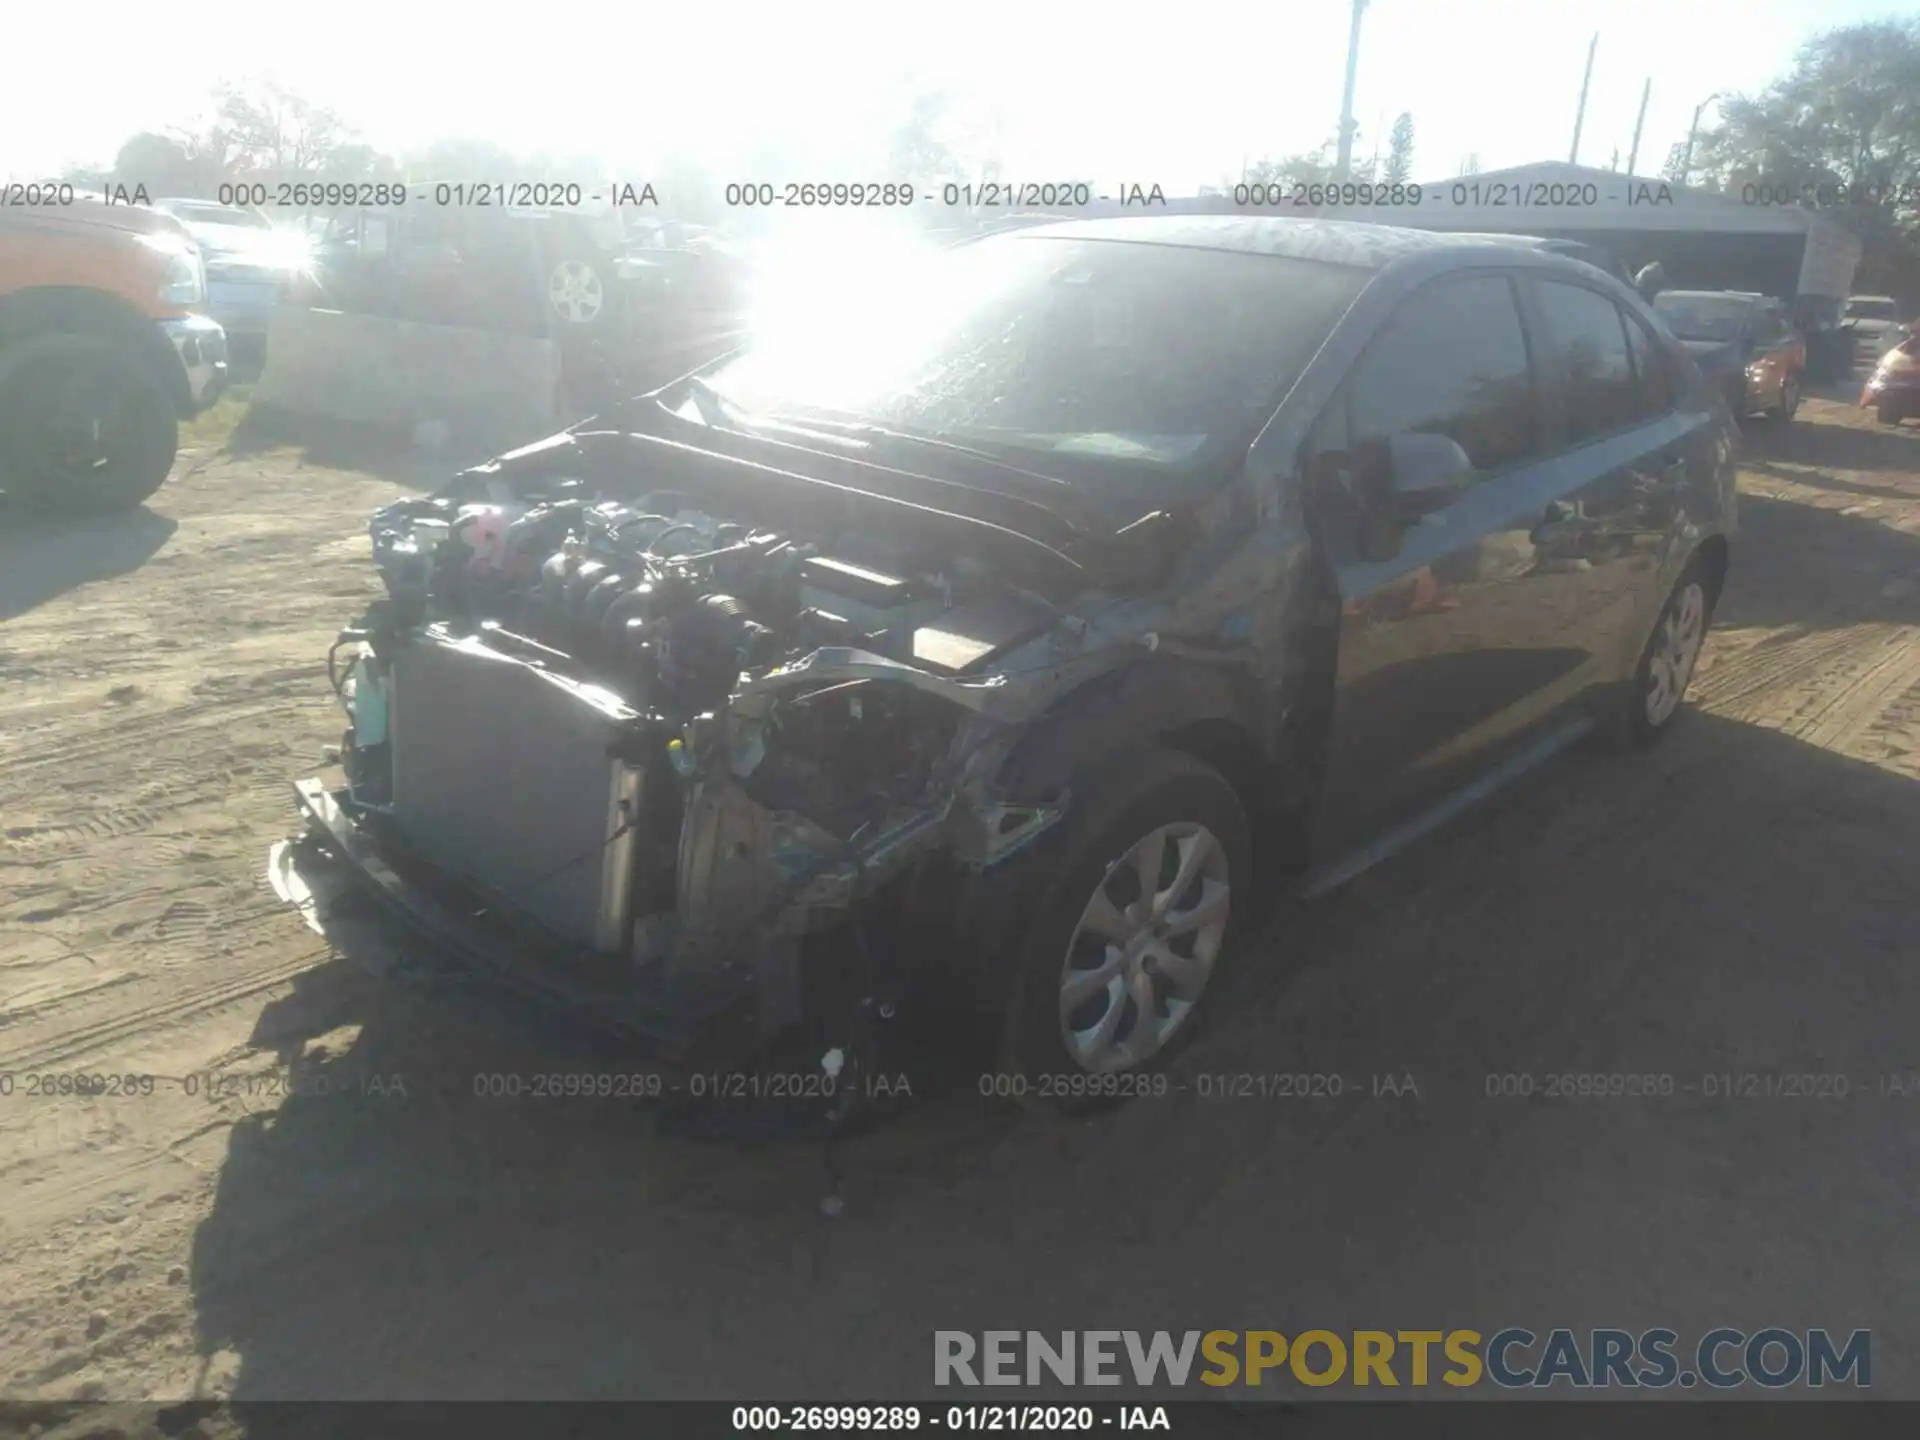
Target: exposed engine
x: 664, y: 604
x: 552, y: 703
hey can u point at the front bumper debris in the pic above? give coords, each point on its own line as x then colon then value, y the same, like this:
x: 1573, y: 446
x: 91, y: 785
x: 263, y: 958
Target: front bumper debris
x: 466, y: 929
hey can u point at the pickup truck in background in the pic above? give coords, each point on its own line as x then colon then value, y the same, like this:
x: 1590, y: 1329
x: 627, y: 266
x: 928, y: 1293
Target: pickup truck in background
x: 104, y: 349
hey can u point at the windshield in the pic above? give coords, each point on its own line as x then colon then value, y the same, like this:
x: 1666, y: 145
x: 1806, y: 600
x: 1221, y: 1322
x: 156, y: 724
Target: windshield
x: 1702, y: 317
x: 1150, y: 353
x: 1872, y: 310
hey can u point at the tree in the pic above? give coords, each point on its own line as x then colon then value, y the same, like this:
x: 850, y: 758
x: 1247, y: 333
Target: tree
x: 920, y: 148
x: 1844, y: 121
x: 460, y: 159
x: 1308, y: 167
x: 1674, y: 172
x: 1399, y: 166
x: 1470, y: 164
x: 261, y: 128
x: 161, y: 164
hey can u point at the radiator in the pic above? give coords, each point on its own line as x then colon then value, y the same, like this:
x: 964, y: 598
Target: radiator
x: 502, y: 774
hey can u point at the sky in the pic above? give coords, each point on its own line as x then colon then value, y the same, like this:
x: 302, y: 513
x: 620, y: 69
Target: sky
x: 1176, y: 95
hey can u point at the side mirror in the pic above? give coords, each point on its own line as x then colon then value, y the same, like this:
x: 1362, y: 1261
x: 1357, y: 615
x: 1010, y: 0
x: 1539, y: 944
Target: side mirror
x: 1425, y: 473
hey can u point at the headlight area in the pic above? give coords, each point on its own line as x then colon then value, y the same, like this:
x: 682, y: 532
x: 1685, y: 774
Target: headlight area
x: 184, y: 279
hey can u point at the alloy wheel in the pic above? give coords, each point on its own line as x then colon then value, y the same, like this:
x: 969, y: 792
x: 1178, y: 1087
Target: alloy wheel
x: 1675, y: 649
x: 1145, y: 947
x: 575, y: 291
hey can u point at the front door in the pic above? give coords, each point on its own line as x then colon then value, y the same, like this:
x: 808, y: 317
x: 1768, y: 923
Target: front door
x: 1444, y: 649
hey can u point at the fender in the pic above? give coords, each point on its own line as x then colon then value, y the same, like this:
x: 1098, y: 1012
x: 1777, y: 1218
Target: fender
x: 76, y: 310
x: 1135, y: 705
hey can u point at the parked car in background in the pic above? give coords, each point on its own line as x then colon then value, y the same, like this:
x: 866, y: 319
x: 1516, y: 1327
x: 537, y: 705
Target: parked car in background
x: 1214, y: 528
x: 250, y: 262
x: 532, y: 271
x: 1745, y: 342
x: 104, y: 348
x: 1876, y: 322
x: 1894, y: 388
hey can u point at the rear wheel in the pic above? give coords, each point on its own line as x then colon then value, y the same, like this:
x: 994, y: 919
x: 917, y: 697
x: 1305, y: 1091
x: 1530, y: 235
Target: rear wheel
x: 87, y: 430
x: 1667, y: 663
x: 1122, y: 950
x: 579, y: 282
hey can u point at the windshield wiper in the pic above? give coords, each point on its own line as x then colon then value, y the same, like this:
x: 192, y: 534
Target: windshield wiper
x: 714, y: 408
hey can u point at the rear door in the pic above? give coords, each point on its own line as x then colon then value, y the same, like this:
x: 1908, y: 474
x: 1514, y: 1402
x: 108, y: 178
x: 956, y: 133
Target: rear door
x: 1611, y: 488
x: 1444, y: 657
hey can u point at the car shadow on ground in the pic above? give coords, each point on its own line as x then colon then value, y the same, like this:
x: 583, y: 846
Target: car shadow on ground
x: 1836, y: 447
x: 1730, y: 902
x: 385, y: 452
x: 1848, y: 569
x: 43, y: 557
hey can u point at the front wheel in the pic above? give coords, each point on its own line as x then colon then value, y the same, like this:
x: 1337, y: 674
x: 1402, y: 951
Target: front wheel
x: 84, y: 428
x: 1888, y: 412
x: 1122, y: 949
x: 1789, y: 401
x: 1667, y: 663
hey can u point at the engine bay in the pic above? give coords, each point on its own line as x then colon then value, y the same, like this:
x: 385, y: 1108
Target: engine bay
x: 701, y: 712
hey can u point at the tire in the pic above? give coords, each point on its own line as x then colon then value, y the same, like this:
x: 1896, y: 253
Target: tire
x: 1888, y: 412
x: 577, y: 284
x: 1782, y: 414
x: 1654, y: 698
x: 87, y: 429
x: 1052, y: 1055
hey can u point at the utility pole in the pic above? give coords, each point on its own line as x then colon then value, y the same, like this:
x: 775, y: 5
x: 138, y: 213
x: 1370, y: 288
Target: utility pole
x: 1686, y: 161
x: 1634, y: 154
x: 1580, y: 115
x: 1343, y: 163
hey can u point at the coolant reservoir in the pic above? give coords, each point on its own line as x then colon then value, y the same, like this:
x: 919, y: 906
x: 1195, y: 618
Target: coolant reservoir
x: 366, y: 687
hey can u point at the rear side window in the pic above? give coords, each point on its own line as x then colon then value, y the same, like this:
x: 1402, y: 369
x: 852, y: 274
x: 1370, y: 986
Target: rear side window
x: 1452, y: 361
x: 1657, y: 380
x: 1587, y: 337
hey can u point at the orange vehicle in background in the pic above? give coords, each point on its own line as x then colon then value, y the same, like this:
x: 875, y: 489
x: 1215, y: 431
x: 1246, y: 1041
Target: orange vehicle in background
x: 1745, y: 343
x: 104, y: 349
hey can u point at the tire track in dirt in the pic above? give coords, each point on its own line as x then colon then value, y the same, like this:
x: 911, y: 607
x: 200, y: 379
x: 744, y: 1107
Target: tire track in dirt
x: 1840, y: 714
x: 1766, y: 667
x: 118, y: 1029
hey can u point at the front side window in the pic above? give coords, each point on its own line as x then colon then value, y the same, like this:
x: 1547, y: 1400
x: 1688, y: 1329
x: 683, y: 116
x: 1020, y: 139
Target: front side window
x: 1452, y: 361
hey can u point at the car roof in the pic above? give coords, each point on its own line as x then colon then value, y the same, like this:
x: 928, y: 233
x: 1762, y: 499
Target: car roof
x: 1748, y: 295
x: 1337, y: 242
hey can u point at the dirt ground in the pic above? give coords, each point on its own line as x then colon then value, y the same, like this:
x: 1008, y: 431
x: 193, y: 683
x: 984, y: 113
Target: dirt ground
x: 1742, y: 900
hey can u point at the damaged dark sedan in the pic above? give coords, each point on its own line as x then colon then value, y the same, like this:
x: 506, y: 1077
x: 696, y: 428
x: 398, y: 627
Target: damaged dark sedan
x: 976, y: 652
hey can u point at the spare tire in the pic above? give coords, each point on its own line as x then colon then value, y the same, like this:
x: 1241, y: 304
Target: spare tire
x: 84, y: 427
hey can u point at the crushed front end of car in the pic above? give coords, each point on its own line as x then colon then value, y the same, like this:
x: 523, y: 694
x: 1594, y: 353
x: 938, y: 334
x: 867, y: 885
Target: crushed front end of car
x: 637, y: 724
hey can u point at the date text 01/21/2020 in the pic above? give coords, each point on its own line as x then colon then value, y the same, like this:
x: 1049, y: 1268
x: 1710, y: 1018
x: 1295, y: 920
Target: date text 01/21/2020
x: 971, y: 195
x: 1206, y: 1085
x: 895, y: 1418
x: 478, y: 194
